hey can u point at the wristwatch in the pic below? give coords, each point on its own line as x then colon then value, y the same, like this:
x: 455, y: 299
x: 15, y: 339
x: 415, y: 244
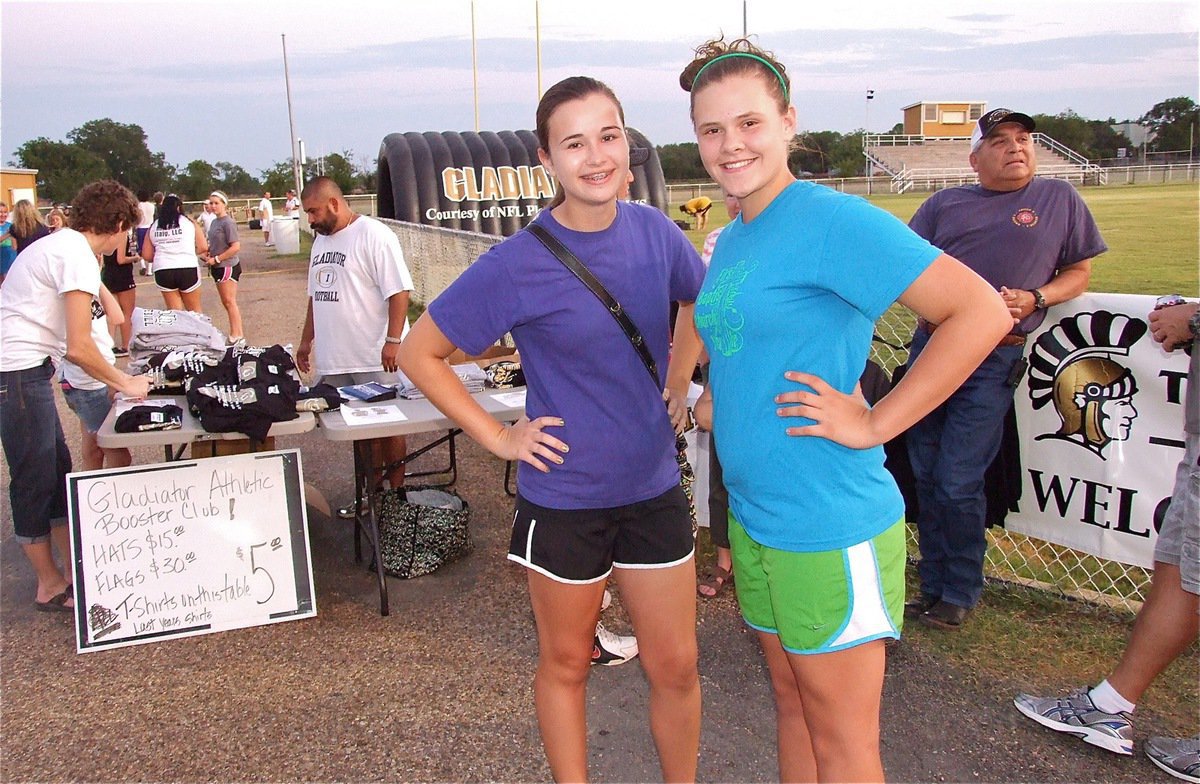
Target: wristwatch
x: 1194, y: 324
x: 1039, y: 302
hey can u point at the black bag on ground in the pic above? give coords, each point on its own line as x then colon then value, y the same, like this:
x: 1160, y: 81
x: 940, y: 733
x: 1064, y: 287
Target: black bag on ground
x: 418, y: 536
x: 255, y: 223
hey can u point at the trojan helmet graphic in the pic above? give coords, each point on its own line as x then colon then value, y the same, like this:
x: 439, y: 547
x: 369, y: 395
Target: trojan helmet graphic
x: 1072, y: 366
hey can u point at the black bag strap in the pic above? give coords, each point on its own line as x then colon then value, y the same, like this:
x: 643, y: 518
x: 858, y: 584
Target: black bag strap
x: 572, y: 262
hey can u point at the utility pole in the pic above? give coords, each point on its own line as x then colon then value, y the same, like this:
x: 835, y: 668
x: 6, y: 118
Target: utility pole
x: 537, y: 30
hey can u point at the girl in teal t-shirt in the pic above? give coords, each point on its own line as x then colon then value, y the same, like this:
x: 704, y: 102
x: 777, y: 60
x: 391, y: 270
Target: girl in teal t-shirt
x: 787, y: 312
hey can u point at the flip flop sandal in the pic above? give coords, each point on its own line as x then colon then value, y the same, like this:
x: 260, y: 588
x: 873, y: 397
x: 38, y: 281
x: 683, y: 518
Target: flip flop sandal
x: 715, y: 578
x: 57, y: 603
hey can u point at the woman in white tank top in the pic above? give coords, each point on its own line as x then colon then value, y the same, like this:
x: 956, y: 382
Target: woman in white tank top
x: 172, y: 245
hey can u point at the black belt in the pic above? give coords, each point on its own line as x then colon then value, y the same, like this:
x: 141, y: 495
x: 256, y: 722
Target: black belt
x: 1011, y: 339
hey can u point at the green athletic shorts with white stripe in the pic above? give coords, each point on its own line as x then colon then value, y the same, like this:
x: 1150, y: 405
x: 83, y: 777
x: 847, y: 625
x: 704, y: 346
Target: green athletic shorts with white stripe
x: 824, y: 601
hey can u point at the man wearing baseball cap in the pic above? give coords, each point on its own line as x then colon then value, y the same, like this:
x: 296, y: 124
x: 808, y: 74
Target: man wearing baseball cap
x: 292, y: 206
x: 1033, y: 239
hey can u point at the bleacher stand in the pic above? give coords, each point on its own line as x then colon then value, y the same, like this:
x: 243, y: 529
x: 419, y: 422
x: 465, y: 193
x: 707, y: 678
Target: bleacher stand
x: 931, y: 163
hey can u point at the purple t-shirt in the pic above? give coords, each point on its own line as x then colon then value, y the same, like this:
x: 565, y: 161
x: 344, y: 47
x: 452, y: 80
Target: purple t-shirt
x: 1018, y: 239
x: 578, y: 363
x: 39, y: 230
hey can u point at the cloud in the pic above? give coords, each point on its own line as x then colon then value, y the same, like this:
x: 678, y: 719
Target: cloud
x: 354, y: 81
x: 981, y: 18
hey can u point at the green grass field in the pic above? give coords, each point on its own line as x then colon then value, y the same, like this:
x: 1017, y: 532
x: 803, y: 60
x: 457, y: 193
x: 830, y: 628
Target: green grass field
x: 1152, y: 233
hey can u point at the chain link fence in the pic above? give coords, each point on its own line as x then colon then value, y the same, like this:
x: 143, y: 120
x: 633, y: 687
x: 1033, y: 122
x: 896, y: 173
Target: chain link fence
x: 1154, y: 174
x: 1013, y: 557
x: 437, y: 256
x: 242, y: 209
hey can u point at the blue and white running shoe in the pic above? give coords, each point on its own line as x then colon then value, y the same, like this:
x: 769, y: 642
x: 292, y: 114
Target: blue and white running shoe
x: 1178, y: 756
x: 1076, y: 714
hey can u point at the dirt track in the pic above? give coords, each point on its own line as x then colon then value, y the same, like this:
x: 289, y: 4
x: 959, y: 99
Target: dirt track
x: 440, y: 690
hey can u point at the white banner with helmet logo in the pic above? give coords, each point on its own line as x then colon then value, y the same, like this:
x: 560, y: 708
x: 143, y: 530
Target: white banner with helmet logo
x: 1100, y: 417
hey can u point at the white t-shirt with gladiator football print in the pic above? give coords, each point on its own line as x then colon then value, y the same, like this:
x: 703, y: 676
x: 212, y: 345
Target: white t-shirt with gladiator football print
x: 351, y: 275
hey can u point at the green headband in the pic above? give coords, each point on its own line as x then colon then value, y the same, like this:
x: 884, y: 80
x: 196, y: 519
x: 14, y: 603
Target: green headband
x: 765, y: 62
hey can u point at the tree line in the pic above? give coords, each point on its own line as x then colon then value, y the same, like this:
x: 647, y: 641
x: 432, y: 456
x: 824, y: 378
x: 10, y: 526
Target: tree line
x: 101, y: 149
x: 105, y: 148
x: 1175, y: 124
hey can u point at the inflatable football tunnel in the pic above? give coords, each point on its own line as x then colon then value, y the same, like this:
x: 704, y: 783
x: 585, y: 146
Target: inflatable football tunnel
x: 489, y: 182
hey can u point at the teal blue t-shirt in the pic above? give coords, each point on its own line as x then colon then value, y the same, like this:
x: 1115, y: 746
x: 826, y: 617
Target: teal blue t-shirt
x: 800, y: 288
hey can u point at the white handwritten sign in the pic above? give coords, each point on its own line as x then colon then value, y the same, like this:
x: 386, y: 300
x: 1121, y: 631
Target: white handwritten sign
x: 190, y: 547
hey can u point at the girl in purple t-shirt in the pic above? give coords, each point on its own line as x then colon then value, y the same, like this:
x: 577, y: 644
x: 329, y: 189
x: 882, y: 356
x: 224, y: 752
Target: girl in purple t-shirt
x: 598, y: 486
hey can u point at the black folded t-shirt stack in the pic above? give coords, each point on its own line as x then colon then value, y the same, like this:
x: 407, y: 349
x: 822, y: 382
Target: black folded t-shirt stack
x: 142, y: 418
x: 246, y: 392
x: 317, y: 398
x: 505, y: 375
x: 169, y: 369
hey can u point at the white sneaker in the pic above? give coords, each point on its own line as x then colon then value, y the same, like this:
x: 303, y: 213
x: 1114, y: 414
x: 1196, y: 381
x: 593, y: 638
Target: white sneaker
x: 609, y: 650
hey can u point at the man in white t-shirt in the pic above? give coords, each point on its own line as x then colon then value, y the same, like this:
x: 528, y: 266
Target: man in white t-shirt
x: 265, y: 213
x: 206, y: 218
x: 292, y: 206
x: 358, y: 291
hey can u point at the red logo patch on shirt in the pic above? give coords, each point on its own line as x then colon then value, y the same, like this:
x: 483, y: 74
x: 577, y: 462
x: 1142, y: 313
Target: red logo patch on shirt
x: 1025, y: 217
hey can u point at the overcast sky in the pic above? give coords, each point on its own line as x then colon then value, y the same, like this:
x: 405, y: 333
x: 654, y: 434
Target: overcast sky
x: 205, y: 79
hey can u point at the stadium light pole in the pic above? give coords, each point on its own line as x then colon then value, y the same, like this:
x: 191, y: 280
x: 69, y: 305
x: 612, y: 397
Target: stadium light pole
x: 537, y: 31
x: 866, y: 131
x: 474, y: 67
x: 287, y: 84
x: 745, y: 27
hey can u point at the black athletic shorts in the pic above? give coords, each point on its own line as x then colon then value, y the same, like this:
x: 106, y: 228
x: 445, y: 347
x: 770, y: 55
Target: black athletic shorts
x: 226, y: 274
x: 583, y: 545
x: 117, y: 277
x: 185, y: 279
